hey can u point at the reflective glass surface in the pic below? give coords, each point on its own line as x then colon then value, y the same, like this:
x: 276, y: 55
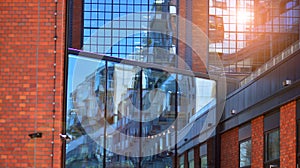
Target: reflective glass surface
x: 124, y: 115
x: 85, y: 113
x: 203, y: 160
x: 181, y: 161
x: 245, y: 153
x: 191, y: 159
x: 247, y: 33
x: 272, y: 146
x: 131, y: 29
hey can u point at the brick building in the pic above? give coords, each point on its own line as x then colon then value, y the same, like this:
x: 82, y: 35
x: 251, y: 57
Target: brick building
x: 130, y: 84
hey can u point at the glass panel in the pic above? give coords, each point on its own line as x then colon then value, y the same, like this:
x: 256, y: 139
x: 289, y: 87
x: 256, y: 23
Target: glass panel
x: 252, y: 28
x: 245, y: 153
x: 158, y: 117
x: 203, y: 149
x: 123, y: 115
x: 152, y: 23
x: 272, y: 145
x: 85, y: 112
x: 104, y: 120
x: 191, y: 158
x: 181, y: 161
x: 203, y: 160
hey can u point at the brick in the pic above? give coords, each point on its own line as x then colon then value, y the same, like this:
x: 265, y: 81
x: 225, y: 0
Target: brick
x: 288, y: 135
x: 257, y: 158
x: 230, y: 149
x: 21, y: 103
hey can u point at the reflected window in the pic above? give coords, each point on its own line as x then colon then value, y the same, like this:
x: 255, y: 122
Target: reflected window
x: 106, y: 25
x: 191, y: 158
x: 203, y: 156
x: 181, y: 161
x: 203, y: 161
x: 110, y: 104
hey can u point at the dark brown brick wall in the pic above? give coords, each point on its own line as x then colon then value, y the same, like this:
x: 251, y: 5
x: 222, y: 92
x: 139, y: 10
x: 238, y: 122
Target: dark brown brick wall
x: 197, y: 156
x: 288, y: 135
x: 230, y: 149
x: 257, y: 158
x: 26, y: 82
x: 77, y: 24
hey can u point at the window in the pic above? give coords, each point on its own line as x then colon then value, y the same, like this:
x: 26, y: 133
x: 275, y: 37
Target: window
x: 272, y: 141
x: 181, y: 161
x: 245, y: 153
x: 191, y: 158
x: 203, y: 156
x: 245, y: 145
x: 203, y: 160
x: 272, y: 145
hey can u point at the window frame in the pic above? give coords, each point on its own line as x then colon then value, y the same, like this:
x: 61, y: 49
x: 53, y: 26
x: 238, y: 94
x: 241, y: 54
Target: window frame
x: 203, y: 153
x: 240, y: 142
x: 266, y: 145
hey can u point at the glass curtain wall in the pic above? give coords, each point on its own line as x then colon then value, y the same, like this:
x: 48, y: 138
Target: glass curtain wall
x: 125, y: 114
x: 120, y: 111
x: 247, y: 33
x: 131, y: 29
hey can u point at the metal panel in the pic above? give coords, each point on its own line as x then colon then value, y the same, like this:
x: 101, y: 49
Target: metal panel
x: 264, y: 94
x: 245, y: 132
x: 272, y: 121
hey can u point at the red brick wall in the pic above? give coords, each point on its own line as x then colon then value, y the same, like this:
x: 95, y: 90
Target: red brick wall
x: 197, y: 156
x: 230, y: 149
x: 288, y: 135
x: 26, y: 82
x: 257, y: 137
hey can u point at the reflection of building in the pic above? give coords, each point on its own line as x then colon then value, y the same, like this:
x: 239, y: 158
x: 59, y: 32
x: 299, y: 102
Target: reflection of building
x: 254, y: 32
x: 257, y: 41
x: 126, y: 106
x: 249, y: 38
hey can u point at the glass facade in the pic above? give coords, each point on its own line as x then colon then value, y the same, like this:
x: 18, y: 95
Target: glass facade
x: 132, y: 29
x: 125, y: 111
x: 121, y: 110
x: 247, y: 33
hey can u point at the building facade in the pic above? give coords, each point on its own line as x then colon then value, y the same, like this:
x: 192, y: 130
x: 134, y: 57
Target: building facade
x: 157, y: 83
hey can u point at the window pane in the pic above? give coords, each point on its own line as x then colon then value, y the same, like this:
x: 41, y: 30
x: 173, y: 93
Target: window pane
x: 245, y: 153
x: 157, y: 116
x: 123, y: 108
x: 272, y: 145
x: 181, y: 161
x: 203, y: 161
x: 85, y: 112
x: 191, y: 158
